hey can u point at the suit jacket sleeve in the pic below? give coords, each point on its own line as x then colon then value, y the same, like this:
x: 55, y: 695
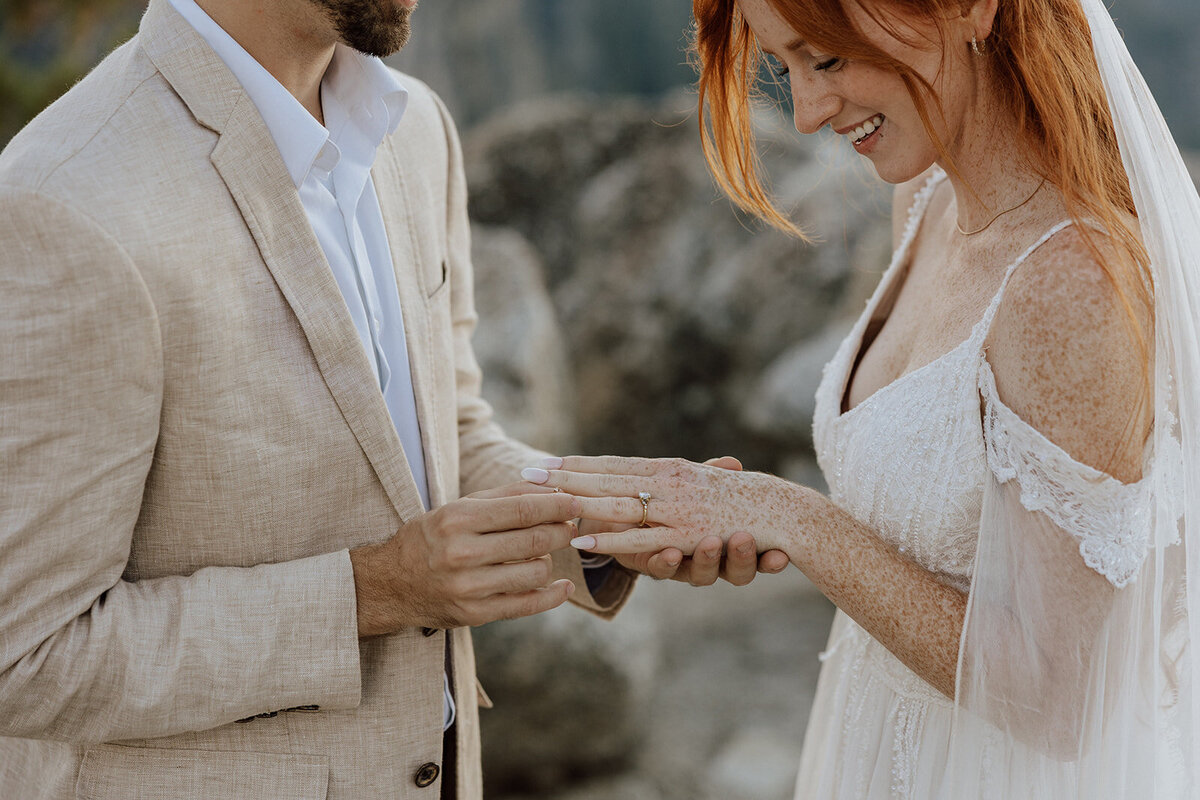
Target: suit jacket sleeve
x: 86, y: 655
x: 487, y: 457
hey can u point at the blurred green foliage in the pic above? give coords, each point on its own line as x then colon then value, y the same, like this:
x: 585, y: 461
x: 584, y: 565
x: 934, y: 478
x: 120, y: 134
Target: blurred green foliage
x: 47, y: 45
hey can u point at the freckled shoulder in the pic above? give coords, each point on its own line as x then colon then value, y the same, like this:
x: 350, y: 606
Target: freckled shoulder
x: 902, y: 200
x: 1067, y: 357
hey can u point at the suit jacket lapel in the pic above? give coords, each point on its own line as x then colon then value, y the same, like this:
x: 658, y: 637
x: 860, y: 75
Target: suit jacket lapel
x: 395, y: 201
x: 248, y: 161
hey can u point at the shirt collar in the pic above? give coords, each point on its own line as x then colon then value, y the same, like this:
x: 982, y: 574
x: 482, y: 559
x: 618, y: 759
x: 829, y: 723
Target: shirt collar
x: 353, y: 81
x: 363, y: 83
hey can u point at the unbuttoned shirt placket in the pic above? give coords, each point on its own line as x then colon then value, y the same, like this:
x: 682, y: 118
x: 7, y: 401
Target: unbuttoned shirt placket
x: 347, y: 183
x: 369, y: 272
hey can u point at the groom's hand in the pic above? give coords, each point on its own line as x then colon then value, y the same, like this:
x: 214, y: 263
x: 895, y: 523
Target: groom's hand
x: 738, y: 564
x: 478, y: 559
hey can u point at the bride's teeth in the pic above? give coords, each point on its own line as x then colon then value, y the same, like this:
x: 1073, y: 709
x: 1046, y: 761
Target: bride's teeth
x: 866, y: 129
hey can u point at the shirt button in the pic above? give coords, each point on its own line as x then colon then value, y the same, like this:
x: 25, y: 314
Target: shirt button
x: 428, y: 631
x: 427, y: 774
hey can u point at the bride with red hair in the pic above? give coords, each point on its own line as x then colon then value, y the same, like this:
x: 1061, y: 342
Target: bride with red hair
x: 1009, y: 432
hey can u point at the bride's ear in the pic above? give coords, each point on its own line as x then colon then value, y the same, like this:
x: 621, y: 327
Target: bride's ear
x: 980, y: 16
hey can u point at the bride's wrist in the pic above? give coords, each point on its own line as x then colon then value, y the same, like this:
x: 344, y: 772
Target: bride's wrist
x: 798, y: 505
x: 782, y: 506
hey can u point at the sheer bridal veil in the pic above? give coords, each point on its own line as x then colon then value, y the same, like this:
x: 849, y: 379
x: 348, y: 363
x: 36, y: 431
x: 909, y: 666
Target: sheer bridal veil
x: 1076, y: 674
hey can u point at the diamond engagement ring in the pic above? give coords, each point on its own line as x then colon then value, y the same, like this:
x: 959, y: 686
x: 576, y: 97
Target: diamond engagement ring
x: 645, y: 498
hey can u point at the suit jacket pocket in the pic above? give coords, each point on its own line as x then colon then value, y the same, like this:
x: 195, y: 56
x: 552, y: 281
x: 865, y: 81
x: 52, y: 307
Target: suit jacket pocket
x: 437, y: 278
x: 109, y: 772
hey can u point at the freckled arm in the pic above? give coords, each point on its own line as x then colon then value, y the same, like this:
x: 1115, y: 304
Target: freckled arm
x: 915, y: 616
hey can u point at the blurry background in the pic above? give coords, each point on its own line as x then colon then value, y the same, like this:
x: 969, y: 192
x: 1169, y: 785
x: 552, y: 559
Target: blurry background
x: 626, y: 308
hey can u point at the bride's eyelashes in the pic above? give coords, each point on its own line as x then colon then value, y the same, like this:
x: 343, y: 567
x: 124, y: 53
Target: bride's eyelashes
x: 781, y: 70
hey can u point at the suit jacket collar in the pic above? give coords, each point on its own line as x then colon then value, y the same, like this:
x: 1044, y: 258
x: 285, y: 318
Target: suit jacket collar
x: 197, y: 74
x: 249, y: 162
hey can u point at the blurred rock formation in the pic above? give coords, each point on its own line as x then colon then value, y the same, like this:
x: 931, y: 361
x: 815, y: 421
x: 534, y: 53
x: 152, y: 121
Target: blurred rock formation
x: 672, y: 308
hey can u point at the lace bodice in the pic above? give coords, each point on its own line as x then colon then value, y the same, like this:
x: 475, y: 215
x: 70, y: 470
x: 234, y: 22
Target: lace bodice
x: 911, y: 460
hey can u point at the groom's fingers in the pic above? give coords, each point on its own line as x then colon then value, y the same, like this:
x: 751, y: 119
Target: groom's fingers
x: 773, y: 562
x: 520, y: 604
x: 705, y: 565
x: 741, y: 560
x: 511, y: 490
x: 663, y: 565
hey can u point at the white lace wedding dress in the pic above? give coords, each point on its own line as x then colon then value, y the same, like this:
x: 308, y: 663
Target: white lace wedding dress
x: 911, y: 461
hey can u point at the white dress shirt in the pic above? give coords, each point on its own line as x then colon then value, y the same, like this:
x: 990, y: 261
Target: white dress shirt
x: 362, y: 102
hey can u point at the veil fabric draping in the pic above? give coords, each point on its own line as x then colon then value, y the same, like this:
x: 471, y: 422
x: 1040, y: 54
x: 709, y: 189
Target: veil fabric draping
x: 1076, y: 674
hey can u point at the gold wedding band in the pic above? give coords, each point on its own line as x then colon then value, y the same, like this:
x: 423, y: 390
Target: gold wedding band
x: 645, y: 498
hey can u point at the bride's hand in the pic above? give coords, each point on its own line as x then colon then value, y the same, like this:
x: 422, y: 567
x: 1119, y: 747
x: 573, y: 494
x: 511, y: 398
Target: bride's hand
x: 736, y: 562
x: 686, y: 502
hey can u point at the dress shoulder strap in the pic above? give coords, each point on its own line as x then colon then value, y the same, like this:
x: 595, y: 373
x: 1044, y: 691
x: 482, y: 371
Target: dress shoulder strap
x: 920, y: 204
x: 990, y: 314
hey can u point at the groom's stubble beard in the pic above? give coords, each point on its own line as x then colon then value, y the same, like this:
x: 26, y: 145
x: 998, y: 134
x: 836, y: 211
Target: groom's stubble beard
x: 375, y: 27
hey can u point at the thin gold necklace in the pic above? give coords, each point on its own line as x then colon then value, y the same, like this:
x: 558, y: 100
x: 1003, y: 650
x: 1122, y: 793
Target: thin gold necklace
x: 988, y: 224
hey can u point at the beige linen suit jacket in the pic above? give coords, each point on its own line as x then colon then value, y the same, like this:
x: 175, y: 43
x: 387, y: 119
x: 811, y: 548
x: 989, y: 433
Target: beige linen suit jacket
x: 192, y: 438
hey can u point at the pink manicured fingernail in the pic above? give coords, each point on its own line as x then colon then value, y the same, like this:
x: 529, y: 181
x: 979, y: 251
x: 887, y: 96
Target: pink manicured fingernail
x: 552, y: 462
x: 535, y: 475
x: 583, y: 542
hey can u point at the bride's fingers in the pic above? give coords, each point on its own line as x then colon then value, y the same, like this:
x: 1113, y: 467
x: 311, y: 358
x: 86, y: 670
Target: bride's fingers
x: 587, y: 484
x: 618, y: 465
x: 625, y: 510
x: 635, y: 540
x: 725, y: 462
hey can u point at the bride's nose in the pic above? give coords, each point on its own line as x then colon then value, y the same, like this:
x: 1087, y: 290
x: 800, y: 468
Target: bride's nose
x: 813, y: 105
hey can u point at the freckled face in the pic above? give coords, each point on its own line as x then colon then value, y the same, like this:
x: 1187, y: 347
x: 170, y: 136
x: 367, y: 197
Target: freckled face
x: 868, y: 105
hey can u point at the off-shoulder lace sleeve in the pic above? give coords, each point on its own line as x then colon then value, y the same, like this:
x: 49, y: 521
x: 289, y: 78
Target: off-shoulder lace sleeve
x: 1073, y: 644
x: 1110, y: 520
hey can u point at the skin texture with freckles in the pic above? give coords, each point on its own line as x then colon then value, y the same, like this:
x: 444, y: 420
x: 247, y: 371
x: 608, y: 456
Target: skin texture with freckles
x: 736, y: 561
x: 919, y: 618
x: 1065, y: 356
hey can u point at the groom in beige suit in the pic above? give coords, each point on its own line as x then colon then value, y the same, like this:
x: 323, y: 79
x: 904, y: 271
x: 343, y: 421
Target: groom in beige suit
x: 235, y: 376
